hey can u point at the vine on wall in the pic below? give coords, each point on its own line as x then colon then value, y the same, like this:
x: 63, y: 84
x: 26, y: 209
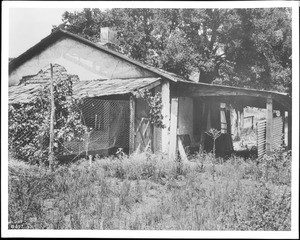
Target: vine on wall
x: 155, y: 105
x: 29, y: 123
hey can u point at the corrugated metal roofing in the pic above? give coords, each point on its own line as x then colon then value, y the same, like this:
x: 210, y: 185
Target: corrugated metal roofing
x: 82, y: 89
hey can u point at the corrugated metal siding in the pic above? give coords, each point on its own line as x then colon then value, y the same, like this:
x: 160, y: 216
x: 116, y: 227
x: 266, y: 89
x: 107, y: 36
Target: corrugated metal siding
x: 261, y: 135
x: 277, y: 132
x: 261, y: 138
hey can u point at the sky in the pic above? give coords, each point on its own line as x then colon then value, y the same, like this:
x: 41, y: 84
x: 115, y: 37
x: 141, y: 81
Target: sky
x: 27, y: 26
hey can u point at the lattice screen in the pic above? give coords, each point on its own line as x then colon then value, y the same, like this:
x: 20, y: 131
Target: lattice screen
x: 107, y: 122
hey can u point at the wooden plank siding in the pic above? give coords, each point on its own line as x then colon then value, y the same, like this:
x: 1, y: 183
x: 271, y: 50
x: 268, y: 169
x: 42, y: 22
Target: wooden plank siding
x: 132, y: 125
x: 173, y: 129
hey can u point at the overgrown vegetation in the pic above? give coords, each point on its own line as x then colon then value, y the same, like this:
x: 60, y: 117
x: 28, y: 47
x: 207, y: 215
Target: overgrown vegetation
x: 29, y: 123
x: 247, y: 47
x: 154, y: 102
x: 147, y: 191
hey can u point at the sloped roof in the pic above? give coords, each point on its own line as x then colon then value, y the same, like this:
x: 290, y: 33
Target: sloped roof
x: 243, y: 96
x: 58, y: 34
x: 96, y: 88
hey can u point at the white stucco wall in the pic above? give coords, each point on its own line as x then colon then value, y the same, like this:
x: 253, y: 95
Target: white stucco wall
x: 80, y: 59
x: 185, y: 116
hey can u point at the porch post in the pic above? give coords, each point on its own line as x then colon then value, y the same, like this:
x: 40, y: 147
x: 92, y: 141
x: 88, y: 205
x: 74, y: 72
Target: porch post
x: 173, y: 129
x: 203, y: 127
x: 132, y: 127
x: 238, y: 120
x: 165, y: 97
x: 269, y: 127
x: 223, y: 118
x: 242, y: 119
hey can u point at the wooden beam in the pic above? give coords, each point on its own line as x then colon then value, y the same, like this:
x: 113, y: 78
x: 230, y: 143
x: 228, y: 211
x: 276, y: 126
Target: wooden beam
x: 173, y: 129
x: 193, y: 91
x: 151, y: 85
x: 269, y: 127
x: 244, y: 96
x: 182, y: 151
x: 166, y: 106
x: 132, y: 102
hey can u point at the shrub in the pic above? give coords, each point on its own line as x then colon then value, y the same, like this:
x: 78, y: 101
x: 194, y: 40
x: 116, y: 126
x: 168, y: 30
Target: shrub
x: 29, y: 123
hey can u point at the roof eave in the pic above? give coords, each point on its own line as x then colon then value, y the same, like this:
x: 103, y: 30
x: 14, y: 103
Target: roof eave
x: 54, y: 36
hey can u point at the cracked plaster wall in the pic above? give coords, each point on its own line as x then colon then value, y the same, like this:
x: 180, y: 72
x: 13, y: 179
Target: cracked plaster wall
x: 79, y: 59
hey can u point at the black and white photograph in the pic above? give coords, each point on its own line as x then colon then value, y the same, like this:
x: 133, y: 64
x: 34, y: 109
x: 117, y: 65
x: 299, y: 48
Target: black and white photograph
x: 152, y: 119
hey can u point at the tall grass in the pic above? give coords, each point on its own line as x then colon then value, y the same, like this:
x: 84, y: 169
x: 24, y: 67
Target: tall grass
x: 147, y: 191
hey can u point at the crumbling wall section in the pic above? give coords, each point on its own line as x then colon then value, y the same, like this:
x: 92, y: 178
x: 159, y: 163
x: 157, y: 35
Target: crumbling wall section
x: 79, y: 59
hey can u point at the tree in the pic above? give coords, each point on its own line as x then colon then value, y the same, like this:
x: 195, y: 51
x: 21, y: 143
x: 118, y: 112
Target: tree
x: 238, y: 47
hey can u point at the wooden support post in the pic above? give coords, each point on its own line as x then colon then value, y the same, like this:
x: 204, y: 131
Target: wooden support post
x: 203, y: 127
x: 242, y: 119
x: 182, y: 153
x: 238, y: 119
x: 51, y: 139
x: 269, y: 127
x: 165, y: 97
x: 173, y: 129
x: 208, y: 123
x: 229, y: 130
x: 132, y: 126
x: 223, y: 118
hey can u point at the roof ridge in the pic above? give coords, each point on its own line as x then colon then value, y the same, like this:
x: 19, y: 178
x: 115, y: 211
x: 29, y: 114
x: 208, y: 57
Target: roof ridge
x: 43, y: 43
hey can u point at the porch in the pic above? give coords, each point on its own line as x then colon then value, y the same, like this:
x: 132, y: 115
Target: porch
x: 197, y: 107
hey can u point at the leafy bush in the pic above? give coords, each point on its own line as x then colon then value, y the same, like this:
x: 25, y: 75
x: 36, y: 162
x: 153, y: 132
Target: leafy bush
x: 29, y: 123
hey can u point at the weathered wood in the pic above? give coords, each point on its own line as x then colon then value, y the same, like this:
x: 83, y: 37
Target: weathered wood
x: 208, y: 122
x: 157, y: 131
x: 242, y: 119
x: 238, y: 124
x: 152, y: 85
x: 193, y: 90
x: 203, y: 127
x: 269, y: 127
x: 223, y: 118
x: 228, y: 120
x: 132, y: 125
x: 165, y: 97
x: 146, y: 128
x: 182, y: 151
x: 245, y: 97
x: 173, y: 129
x: 51, y: 133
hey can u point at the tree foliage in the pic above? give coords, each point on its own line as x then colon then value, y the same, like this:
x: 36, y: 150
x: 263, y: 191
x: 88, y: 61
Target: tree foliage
x: 239, y: 47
